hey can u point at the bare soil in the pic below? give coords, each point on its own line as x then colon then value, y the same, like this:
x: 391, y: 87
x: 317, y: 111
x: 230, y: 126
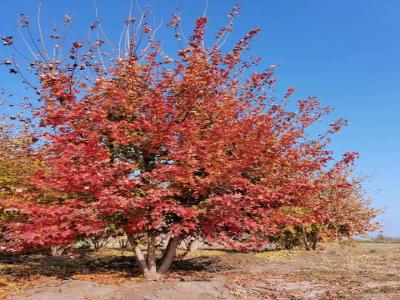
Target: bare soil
x: 358, y: 271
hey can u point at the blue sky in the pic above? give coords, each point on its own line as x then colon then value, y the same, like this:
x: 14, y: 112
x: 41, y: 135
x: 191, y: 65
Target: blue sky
x: 346, y: 52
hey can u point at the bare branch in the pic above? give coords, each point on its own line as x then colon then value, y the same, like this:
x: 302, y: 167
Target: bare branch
x: 40, y: 30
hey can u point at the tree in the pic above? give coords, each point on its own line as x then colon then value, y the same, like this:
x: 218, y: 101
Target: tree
x: 18, y: 159
x: 171, y: 148
x: 351, y: 214
x: 340, y: 210
x: 33, y: 218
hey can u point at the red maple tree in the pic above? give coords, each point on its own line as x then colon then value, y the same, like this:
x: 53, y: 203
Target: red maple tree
x: 171, y: 148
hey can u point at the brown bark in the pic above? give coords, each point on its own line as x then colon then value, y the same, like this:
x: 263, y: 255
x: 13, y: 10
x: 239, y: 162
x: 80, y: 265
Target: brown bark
x: 315, y: 239
x: 148, y: 266
x: 305, y: 242
x: 151, y: 256
x: 139, y: 256
x: 123, y: 243
x: 303, y: 234
x: 168, y: 255
x: 337, y: 239
x: 57, y: 250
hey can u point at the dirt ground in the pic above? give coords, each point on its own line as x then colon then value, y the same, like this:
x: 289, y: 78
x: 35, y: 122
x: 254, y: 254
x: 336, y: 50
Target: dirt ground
x: 361, y: 271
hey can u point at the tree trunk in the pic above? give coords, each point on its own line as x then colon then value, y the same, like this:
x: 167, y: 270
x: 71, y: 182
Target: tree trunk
x: 337, y: 239
x: 148, y: 266
x: 151, y: 256
x: 139, y: 257
x: 304, y: 238
x: 57, y: 250
x: 315, y: 239
x: 123, y: 243
x: 305, y: 242
x: 168, y: 254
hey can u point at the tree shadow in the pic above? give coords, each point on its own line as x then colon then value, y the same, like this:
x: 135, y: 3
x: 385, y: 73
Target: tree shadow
x: 207, y: 264
x: 63, y: 267
x: 106, y: 261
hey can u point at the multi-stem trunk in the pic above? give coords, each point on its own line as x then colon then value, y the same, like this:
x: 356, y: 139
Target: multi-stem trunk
x: 57, y: 250
x: 315, y: 236
x: 148, y: 265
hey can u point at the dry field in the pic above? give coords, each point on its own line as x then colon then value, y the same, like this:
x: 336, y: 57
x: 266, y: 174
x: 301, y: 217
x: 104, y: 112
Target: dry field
x: 360, y: 271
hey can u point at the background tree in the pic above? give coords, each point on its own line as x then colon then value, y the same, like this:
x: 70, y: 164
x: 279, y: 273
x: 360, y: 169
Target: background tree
x: 340, y: 211
x: 32, y: 218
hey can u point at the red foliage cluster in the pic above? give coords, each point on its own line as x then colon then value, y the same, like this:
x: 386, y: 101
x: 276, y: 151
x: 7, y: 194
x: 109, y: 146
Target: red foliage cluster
x: 40, y: 227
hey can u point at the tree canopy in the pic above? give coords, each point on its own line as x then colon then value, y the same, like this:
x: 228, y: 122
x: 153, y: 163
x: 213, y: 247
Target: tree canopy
x: 168, y: 148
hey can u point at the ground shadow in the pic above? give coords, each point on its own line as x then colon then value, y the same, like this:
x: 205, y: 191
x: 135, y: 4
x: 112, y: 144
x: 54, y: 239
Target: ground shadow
x: 201, y: 264
x: 20, y: 266
x: 91, y: 262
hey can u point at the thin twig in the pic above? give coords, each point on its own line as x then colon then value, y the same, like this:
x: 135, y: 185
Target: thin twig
x: 127, y: 32
x: 40, y: 30
x: 205, y: 9
x: 101, y: 28
x: 25, y: 41
x: 20, y: 74
x: 120, y: 41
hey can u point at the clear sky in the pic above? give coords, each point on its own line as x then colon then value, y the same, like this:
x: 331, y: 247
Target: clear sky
x: 346, y: 52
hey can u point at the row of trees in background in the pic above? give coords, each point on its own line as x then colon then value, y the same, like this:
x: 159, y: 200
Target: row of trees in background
x: 168, y: 149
